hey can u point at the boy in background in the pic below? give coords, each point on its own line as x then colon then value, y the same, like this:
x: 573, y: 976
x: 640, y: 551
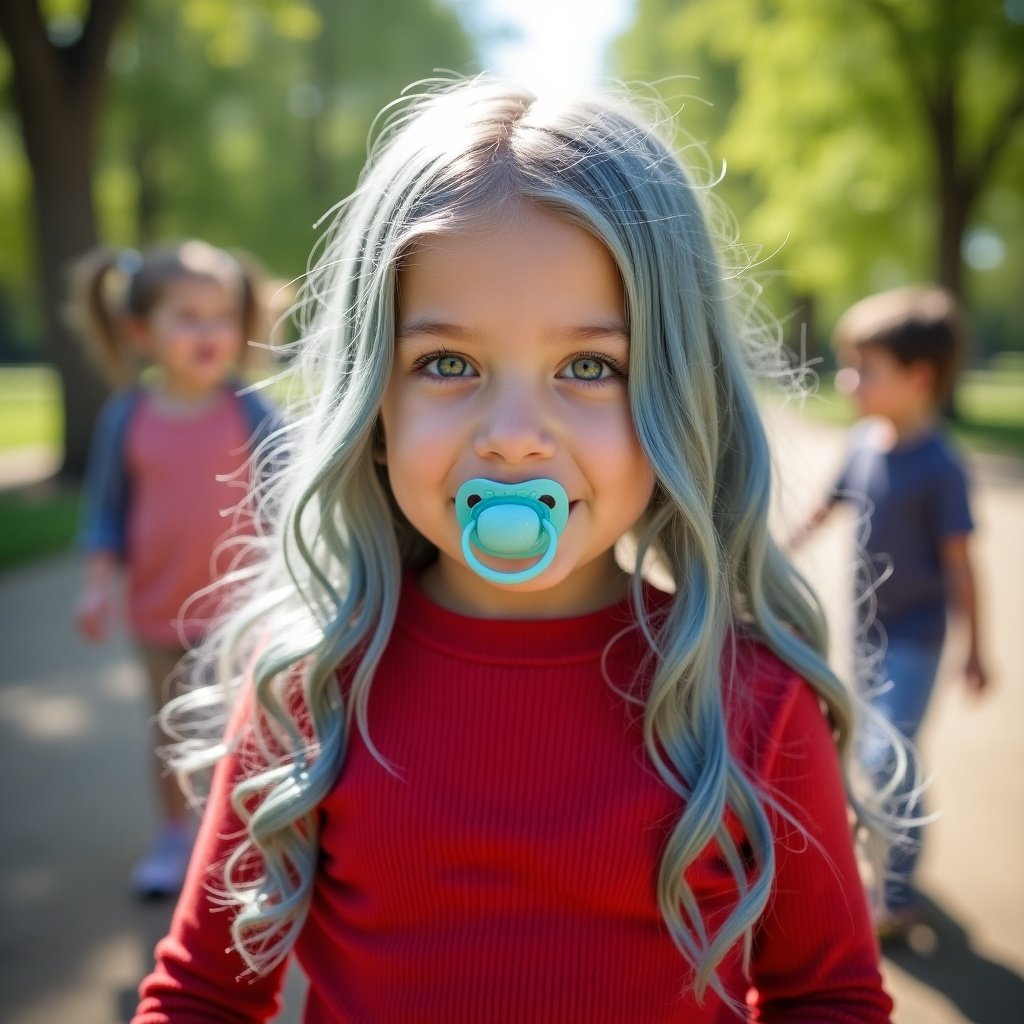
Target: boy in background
x: 900, y: 350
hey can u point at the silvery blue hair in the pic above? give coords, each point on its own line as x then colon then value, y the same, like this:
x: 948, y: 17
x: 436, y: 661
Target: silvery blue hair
x: 326, y: 589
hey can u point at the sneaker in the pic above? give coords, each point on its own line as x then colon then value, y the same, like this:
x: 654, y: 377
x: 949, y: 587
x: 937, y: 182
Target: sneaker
x: 161, y: 872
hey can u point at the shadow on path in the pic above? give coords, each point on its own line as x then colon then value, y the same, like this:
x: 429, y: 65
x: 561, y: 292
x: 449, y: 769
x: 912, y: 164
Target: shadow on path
x: 939, y: 954
x: 153, y: 918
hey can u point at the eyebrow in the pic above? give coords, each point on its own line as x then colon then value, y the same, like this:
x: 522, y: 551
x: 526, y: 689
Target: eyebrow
x: 436, y: 328
x: 611, y: 328
x: 599, y: 329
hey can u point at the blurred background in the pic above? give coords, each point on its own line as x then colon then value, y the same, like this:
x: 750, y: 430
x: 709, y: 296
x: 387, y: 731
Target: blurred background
x: 861, y: 144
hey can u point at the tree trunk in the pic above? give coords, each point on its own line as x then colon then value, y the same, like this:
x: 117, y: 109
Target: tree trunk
x: 65, y: 228
x: 147, y: 208
x: 953, y: 194
x: 57, y: 95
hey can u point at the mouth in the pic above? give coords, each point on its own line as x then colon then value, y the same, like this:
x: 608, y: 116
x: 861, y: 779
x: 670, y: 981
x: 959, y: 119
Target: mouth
x: 572, y: 504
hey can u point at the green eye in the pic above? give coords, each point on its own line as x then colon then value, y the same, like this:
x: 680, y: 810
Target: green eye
x: 587, y: 368
x: 451, y: 366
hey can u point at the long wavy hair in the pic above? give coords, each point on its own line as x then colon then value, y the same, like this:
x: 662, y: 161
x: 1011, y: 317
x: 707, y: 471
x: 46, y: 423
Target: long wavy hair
x: 325, y: 588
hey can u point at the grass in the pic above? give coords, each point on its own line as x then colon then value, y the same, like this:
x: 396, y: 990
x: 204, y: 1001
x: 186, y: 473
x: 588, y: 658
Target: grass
x: 30, y: 407
x: 35, y: 522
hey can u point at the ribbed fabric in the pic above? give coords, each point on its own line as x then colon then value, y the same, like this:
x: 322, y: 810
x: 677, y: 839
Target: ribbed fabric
x: 505, y: 870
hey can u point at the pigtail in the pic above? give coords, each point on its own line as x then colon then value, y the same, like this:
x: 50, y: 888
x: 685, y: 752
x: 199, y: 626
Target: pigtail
x: 258, y: 302
x: 96, y: 309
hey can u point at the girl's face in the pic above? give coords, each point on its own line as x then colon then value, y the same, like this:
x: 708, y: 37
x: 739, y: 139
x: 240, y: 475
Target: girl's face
x: 194, y: 334
x: 511, y: 362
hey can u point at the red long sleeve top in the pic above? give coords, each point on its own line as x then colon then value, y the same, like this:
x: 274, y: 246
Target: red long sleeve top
x: 506, y: 871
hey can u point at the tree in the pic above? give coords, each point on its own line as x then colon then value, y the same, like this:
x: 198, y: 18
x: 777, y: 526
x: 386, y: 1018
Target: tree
x: 57, y: 88
x: 871, y: 133
x: 960, y: 61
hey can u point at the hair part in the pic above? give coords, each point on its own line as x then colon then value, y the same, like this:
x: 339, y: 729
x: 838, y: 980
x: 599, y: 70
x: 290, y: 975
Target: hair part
x: 918, y: 324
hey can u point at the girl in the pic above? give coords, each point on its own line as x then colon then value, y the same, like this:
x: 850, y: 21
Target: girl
x: 162, y: 456
x: 476, y: 771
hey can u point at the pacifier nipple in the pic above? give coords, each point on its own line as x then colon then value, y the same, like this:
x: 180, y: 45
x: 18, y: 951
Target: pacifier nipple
x: 509, y: 521
x: 508, y: 529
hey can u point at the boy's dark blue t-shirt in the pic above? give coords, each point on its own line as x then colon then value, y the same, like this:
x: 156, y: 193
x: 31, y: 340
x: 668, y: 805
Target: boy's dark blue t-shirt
x: 911, y: 497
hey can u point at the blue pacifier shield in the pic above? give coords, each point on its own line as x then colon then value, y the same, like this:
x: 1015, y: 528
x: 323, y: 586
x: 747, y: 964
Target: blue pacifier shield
x: 521, y: 520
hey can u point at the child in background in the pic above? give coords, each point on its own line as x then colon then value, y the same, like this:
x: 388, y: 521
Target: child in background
x: 901, y: 349
x: 475, y: 770
x: 167, y: 464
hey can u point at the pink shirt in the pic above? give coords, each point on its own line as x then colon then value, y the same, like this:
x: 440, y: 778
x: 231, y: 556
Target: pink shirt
x: 187, y: 473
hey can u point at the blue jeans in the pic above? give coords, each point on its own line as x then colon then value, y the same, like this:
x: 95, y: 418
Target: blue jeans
x: 909, y: 668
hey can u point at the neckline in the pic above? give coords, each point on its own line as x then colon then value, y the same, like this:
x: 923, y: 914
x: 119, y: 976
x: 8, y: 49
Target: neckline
x: 183, y: 415
x: 914, y: 444
x: 518, y: 641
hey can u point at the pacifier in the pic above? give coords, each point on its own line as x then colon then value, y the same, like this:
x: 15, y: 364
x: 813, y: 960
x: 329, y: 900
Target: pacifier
x: 511, y: 521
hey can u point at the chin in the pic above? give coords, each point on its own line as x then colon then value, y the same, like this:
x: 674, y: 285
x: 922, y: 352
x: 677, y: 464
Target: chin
x: 550, y: 578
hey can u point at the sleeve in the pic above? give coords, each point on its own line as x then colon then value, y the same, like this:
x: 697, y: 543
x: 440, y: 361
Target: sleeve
x: 840, y: 490
x: 105, y: 496
x: 267, y: 435
x: 953, y: 509
x: 841, y: 484
x: 815, y: 957
x: 199, y: 977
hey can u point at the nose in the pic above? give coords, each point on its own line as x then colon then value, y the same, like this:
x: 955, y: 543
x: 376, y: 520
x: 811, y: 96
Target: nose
x: 213, y: 326
x: 514, y: 426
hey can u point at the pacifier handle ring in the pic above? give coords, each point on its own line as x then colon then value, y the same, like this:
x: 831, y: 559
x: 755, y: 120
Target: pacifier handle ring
x: 494, y: 575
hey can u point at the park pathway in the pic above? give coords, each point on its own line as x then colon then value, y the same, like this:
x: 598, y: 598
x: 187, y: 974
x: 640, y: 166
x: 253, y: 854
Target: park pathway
x: 75, y: 809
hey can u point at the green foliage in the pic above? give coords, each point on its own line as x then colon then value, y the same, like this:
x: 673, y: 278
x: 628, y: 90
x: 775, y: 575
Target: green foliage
x: 819, y: 113
x: 55, y: 10
x: 34, y: 524
x: 15, y: 192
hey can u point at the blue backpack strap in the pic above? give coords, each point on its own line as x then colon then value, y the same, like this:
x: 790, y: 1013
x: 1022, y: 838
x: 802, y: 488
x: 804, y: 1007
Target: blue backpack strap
x: 264, y: 421
x: 106, y: 490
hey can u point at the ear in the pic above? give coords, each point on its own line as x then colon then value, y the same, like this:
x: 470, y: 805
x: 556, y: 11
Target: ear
x: 138, y: 334
x: 380, y: 446
x: 923, y: 374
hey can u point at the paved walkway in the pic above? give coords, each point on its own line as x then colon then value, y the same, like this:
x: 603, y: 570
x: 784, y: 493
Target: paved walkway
x: 76, y: 813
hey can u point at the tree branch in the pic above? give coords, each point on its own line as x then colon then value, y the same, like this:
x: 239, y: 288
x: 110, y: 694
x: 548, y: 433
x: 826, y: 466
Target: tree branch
x: 42, y: 69
x: 999, y: 139
x: 89, y: 53
x: 35, y: 63
x: 901, y: 37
